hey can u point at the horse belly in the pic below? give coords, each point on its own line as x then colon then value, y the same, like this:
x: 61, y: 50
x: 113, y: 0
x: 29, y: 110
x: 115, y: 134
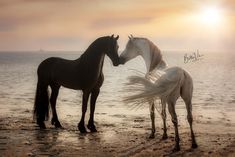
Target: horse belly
x: 78, y: 82
x: 69, y: 81
x: 71, y: 86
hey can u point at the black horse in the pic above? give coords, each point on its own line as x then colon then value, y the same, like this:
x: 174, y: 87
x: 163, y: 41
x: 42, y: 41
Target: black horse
x: 84, y: 73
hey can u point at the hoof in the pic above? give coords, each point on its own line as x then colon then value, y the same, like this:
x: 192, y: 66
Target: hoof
x: 52, y: 121
x: 164, y: 136
x: 56, y: 123
x: 82, y: 128
x: 41, y: 125
x: 151, y: 136
x: 194, y: 145
x: 176, y: 149
x: 92, y: 128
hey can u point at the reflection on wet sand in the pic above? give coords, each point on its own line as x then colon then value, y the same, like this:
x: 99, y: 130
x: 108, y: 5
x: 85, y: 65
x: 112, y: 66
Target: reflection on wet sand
x: 122, y: 135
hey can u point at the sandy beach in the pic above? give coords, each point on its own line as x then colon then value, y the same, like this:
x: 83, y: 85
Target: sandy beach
x: 118, y: 135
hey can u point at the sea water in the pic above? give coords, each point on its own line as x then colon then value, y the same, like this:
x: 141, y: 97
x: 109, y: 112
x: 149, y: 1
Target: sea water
x: 213, y: 76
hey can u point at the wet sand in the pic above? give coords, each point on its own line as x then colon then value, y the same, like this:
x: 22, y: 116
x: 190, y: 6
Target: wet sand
x: 118, y: 135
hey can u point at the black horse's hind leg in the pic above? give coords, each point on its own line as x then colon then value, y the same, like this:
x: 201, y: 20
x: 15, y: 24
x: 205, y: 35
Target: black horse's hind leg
x: 94, y: 96
x: 41, y: 106
x: 81, y: 125
x: 54, y: 95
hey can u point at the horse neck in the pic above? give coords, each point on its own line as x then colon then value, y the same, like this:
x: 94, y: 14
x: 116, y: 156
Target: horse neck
x: 94, y: 55
x: 153, y: 57
x: 162, y: 65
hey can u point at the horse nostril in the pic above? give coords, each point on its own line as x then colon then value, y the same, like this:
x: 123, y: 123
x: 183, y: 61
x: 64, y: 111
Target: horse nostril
x: 116, y: 63
x: 121, y: 60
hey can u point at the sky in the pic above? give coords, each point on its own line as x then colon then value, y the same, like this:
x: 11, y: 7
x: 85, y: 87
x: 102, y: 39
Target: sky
x: 71, y: 25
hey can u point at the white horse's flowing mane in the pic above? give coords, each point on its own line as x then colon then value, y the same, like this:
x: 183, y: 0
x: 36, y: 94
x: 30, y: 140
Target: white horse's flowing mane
x: 155, y: 54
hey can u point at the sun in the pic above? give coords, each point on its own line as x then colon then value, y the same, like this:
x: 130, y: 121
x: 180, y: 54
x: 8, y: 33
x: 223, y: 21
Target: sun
x: 211, y: 15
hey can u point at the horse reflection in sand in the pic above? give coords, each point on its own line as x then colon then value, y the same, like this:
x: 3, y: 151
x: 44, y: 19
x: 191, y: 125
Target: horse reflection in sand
x: 160, y: 82
x: 84, y: 73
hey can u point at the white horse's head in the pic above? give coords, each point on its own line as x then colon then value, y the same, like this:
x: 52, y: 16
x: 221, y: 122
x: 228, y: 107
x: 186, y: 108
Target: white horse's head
x: 145, y: 48
x: 134, y: 48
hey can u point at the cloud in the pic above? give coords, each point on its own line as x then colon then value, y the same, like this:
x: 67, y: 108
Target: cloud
x: 108, y: 22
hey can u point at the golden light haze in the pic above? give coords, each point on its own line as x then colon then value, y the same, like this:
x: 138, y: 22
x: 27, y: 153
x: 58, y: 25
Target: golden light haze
x: 74, y: 24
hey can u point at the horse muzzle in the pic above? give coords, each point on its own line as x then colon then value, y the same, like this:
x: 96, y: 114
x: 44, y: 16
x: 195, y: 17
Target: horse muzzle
x: 122, y: 60
x: 116, y: 63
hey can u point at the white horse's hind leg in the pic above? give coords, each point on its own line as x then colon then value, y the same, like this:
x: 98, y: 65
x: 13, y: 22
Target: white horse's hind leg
x: 187, y: 99
x: 186, y: 94
x: 163, y: 114
x: 190, y: 120
x: 152, y: 116
x: 171, y: 108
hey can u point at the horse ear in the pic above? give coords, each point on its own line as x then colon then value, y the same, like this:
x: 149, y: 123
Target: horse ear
x: 117, y: 37
x: 132, y: 36
x: 112, y: 36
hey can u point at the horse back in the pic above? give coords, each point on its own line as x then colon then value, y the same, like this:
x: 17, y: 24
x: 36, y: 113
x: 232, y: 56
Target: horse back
x: 73, y: 74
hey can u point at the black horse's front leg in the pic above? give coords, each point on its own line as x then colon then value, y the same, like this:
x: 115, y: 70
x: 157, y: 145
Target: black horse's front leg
x: 54, y: 94
x: 81, y: 124
x: 94, y: 95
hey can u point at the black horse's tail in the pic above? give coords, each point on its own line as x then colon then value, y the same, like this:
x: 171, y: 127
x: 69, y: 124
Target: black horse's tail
x: 41, y: 104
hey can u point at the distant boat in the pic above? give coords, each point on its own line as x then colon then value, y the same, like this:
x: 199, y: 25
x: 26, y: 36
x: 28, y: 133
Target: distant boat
x: 41, y: 50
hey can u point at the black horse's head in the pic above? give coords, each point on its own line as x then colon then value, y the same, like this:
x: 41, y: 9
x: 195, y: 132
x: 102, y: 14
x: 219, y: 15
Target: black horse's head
x: 113, y: 50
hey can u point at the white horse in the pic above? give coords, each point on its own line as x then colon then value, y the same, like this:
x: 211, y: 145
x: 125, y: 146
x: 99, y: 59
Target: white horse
x: 161, y: 82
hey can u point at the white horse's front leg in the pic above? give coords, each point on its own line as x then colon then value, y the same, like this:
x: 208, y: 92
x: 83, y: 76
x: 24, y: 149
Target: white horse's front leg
x: 152, y: 116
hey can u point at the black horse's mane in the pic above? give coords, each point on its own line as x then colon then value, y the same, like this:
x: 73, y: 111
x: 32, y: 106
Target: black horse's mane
x: 95, y: 47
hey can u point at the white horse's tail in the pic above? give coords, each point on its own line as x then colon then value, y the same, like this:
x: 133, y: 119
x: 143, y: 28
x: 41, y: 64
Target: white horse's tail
x: 162, y: 88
